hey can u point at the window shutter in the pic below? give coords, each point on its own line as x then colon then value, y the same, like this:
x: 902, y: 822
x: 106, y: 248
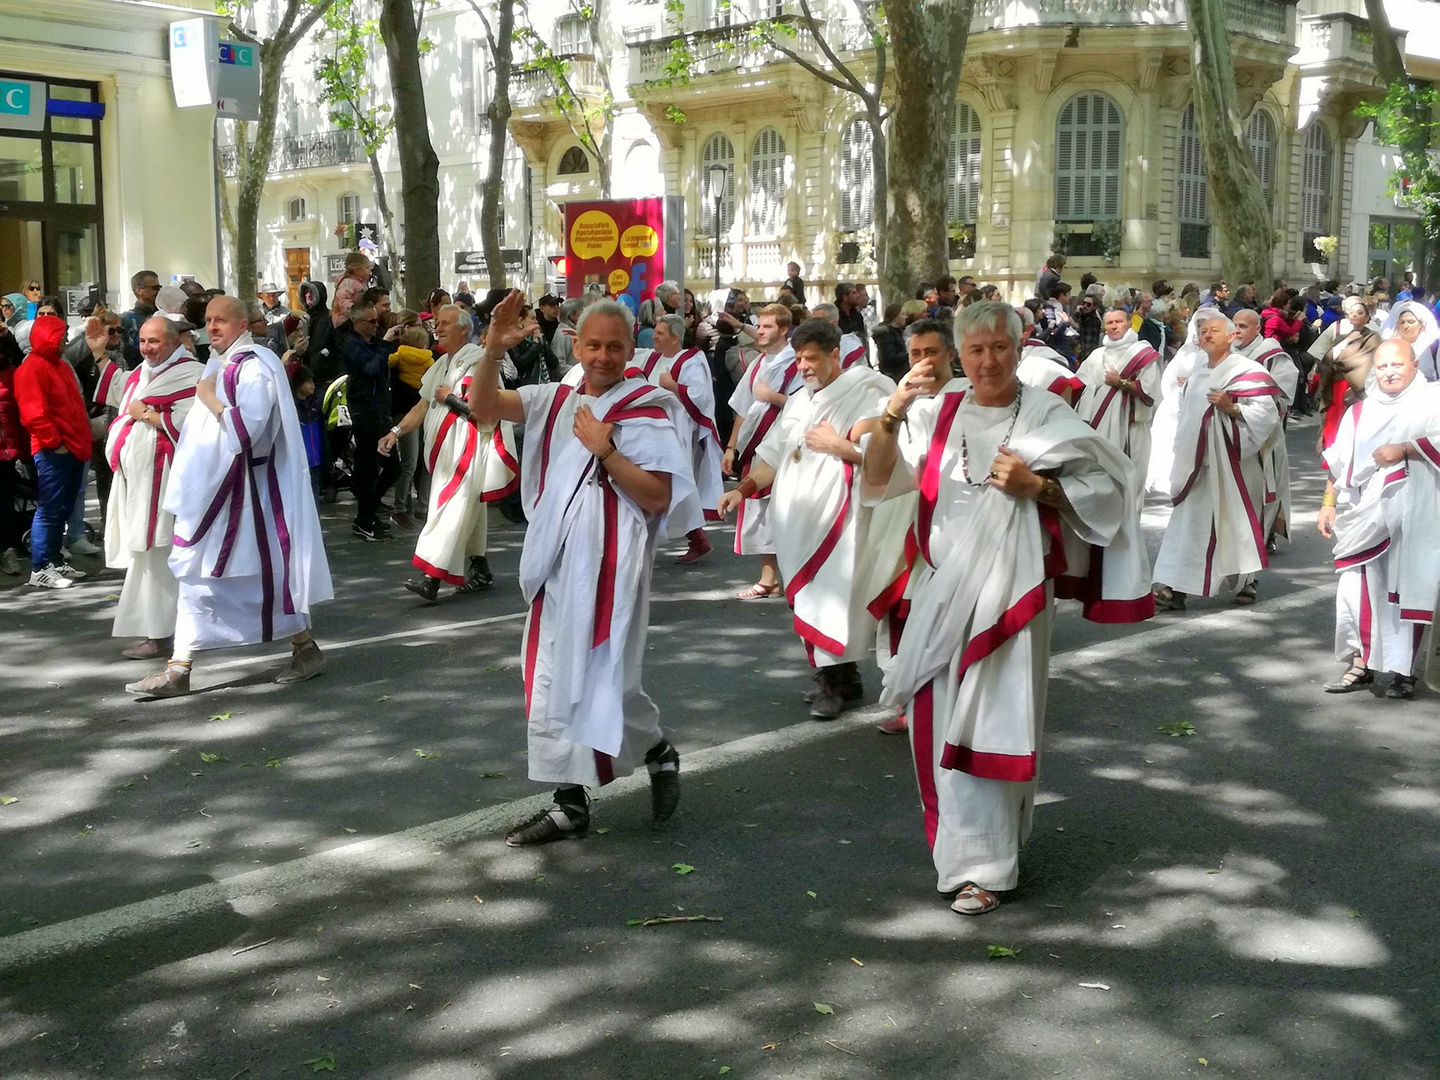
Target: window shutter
x: 964, y: 166
x: 1089, y: 151
x: 1260, y: 138
x: 467, y: 85
x: 767, y: 183
x: 1315, y: 178
x: 717, y: 149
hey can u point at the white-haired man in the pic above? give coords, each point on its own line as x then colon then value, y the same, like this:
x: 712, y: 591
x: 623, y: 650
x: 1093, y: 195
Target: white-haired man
x: 248, y: 553
x: 1367, y: 509
x: 604, y: 468
x: 1042, y: 367
x: 852, y: 348
x: 757, y: 401
x: 471, y: 465
x: 141, y: 446
x: 1016, y: 495
x: 1271, y: 355
x: 686, y: 374
x: 1229, y: 414
x: 808, y: 459
x: 1122, y: 382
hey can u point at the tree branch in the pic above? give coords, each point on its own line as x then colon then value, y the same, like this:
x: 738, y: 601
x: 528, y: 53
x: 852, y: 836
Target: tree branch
x: 819, y: 39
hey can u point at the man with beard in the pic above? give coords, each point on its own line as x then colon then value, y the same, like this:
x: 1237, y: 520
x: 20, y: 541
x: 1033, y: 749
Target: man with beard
x: 154, y: 404
x: 810, y: 456
x: 604, y: 468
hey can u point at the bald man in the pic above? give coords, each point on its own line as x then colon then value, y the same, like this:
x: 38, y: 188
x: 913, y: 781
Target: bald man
x: 248, y: 554
x: 1122, y: 384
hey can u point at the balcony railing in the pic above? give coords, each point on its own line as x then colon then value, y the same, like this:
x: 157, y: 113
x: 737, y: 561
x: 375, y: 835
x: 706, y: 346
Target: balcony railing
x: 1266, y: 19
x: 316, y: 151
x: 530, y: 86
x: 1326, y: 39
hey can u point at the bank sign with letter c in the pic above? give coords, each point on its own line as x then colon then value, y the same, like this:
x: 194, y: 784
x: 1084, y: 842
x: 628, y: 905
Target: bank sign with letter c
x: 22, y: 105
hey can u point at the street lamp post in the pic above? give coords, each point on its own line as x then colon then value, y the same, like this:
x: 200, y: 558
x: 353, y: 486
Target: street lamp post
x: 718, y: 175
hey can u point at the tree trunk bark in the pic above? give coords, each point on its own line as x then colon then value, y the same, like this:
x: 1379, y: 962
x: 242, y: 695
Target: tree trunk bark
x: 419, y: 167
x: 499, y: 116
x: 382, y: 200
x: 252, y: 165
x: 1243, y: 229
x: 928, y: 42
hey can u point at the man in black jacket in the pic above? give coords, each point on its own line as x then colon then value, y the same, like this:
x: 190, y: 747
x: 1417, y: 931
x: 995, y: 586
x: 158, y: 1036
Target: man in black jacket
x: 367, y: 392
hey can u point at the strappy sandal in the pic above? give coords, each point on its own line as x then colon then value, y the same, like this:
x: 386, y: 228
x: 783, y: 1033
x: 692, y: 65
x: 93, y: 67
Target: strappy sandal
x: 756, y: 591
x: 1357, y: 675
x: 973, y: 900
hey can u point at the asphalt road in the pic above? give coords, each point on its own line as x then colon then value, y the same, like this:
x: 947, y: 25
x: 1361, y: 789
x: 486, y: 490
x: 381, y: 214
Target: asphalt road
x: 329, y: 879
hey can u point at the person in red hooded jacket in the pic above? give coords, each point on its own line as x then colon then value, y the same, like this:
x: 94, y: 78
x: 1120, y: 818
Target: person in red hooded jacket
x: 54, y: 413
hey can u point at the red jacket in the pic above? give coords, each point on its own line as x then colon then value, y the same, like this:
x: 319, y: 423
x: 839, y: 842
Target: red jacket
x: 14, y: 442
x: 51, y: 407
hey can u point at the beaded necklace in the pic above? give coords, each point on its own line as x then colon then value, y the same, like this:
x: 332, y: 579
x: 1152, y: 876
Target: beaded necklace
x: 965, y: 450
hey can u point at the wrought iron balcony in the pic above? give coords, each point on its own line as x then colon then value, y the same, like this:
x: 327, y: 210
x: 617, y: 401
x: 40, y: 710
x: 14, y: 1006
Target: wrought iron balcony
x: 316, y: 151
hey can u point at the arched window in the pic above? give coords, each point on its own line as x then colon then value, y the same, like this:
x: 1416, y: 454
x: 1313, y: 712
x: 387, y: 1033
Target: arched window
x: 573, y: 161
x: 1315, y: 189
x: 1193, y: 190
x: 767, y: 184
x: 1260, y: 138
x: 1089, y: 142
x: 348, y: 209
x: 962, y: 200
x: 718, y: 150
x: 857, y: 175
x: 296, y: 210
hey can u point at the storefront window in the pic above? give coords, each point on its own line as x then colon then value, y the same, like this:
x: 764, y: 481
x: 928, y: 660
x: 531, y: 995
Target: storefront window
x: 74, y: 167
x: 71, y: 125
x: 22, y: 170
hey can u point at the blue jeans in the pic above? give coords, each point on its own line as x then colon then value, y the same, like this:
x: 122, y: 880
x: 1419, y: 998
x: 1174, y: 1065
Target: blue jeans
x: 58, y: 477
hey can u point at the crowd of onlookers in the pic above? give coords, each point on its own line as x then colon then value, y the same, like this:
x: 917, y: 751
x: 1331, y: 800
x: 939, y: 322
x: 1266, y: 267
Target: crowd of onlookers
x: 353, y: 378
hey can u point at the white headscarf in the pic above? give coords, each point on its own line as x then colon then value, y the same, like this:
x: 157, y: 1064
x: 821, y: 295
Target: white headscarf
x: 1429, y: 330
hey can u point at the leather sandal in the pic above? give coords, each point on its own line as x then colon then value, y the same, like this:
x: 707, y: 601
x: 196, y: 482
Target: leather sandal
x: 1357, y: 675
x: 973, y: 900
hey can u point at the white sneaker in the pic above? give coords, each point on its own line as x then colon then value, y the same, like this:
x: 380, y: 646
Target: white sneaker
x: 49, y: 578
x: 84, y: 547
x: 9, y: 562
x: 69, y: 572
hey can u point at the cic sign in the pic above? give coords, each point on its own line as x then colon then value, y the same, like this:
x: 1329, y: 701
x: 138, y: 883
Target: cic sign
x: 22, y: 105
x: 205, y: 70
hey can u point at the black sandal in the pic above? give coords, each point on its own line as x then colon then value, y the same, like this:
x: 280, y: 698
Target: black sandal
x: 1356, y: 676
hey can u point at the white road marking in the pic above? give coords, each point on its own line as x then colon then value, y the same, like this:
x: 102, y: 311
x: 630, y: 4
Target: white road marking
x: 332, y: 872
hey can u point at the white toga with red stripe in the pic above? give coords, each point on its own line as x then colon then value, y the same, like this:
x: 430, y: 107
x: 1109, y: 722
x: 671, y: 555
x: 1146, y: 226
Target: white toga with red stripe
x: 471, y: 465
x: 972, y: 666
x: 1043, y: 368
x: 1216, y: 539
x: 1369, y: 530
x: 820, y: 529
x: 138, y: 531
x: 1271, y: 355
x: 852, y: 352
x: 696, y: 390
x: 1418, y: 564
x: 585, y: 572
x: 1122, y: 418
x: 780, y: 373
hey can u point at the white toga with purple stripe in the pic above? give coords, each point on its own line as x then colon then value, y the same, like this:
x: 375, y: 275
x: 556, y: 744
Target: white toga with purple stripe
x: 248, y: 551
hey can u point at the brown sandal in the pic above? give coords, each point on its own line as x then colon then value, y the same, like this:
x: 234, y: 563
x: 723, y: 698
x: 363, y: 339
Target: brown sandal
x: 973, y: 900
x: 756, y: 591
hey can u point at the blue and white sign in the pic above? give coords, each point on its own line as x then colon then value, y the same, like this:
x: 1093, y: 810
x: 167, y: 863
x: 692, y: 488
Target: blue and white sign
x: 237, y: 87
x: 22, y: 105
x: 194, y: 72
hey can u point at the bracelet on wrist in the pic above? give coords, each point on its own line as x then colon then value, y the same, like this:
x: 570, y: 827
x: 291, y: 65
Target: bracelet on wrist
x: 747, y: 488
x: 602, y: 458
x: 1328, y: 499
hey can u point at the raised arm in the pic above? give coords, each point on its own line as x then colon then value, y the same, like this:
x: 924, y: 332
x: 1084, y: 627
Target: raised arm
x: 488, y: 402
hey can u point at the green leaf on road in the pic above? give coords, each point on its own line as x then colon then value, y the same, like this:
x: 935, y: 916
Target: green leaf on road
x: 6, y: 800
x: 810, y: 894
x: 682, y: 868
x: 272, y: 763
x: 323, y: 1063
x: 211, y: 759
x: 423, y: 754
x: 383, y: 697
x: 492, y: 776
x: 634, y: 922
x: 603, y: 829
x: 1177, y: 729
x: 1000, y: 952
x: 823, y: 1009
x: 723, y: 1070
x: 221, y: 716
x: 350, y: 830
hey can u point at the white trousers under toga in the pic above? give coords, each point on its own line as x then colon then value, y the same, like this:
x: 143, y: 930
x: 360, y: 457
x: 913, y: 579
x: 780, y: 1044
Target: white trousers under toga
x: 1367, y: 624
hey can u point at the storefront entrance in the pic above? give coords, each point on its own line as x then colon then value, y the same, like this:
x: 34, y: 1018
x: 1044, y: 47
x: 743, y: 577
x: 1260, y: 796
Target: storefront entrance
x: 51, y: 217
